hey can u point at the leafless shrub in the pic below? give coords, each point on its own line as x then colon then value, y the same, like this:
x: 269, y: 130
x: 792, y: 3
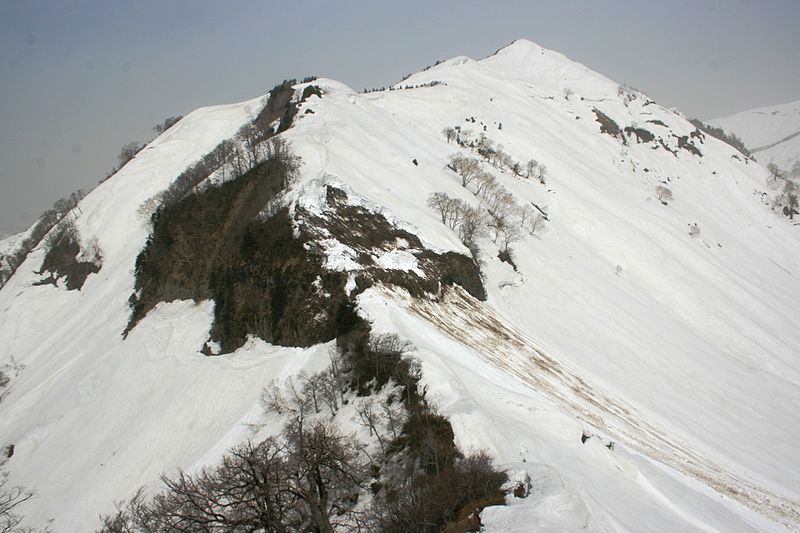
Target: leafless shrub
x: 536, y: 224
x: 663, y: 194
x: 787, y: 201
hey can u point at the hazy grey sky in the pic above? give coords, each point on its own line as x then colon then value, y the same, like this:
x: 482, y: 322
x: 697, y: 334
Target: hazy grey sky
x: 78, y: 79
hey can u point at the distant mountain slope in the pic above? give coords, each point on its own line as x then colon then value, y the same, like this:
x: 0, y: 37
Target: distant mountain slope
x: 636, y: 353
x: 771, y: 133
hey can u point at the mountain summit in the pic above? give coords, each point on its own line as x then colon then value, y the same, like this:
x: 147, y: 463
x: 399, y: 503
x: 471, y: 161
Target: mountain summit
x: 602, y: 298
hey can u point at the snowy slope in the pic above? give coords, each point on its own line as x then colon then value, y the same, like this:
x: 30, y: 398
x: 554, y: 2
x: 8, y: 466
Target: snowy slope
x: 771, y: 133
x: 682, y: 350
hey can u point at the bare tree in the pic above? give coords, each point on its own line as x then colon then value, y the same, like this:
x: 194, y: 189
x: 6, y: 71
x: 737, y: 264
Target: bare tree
x: 391, y: 343
x: 503, y: 161
x: 394, y: 414
x: 466, y: 167
x: 336, y: 368
x: 249, y: 137
x: 296, y: 402
x: 775, y: 176
x: 327, y: 473
x: 449, y: 133
x: 472, y: 225
x: 787, y: 200
x: 247, y: 492
x: 499, y: 201
x: 483, y: 181
x: 531, y: 168
x: 524, y: 214
x: 442, y: 203
x: 10, y: 499
x: 329, y: 390
x: 536, y: 224
x: 541, y: 173
x: 370, y: 418
x: 511, y: 233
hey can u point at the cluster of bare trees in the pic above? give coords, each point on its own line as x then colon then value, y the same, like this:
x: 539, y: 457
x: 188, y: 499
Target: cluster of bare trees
x: 499, y: 216
x: 627, y: 93
x: 312, y: 476
x: 459, y: 216
x: 168, y: 122
x: 468, y: 168
x: 307, y: 479
x: 231, y: 158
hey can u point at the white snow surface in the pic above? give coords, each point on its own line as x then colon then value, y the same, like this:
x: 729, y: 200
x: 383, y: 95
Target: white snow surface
x: 681, y: 350
x: 772, y: 133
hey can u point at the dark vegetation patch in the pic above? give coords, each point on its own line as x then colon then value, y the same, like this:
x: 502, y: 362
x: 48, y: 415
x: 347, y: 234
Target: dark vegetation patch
x: 642, y: 135
x: 667, y: 147
x: 372, y: 362
x: 274, y: 288
x: 279, y: 105
x: 242, y: 154
x: 9, y: 263
x: 506, y: 257
x: 607, y: 125
x: 438, y: 487
x: 449, y: 501
x: 309, y: 91
x: 61, y: 260
x: 368, y: 233
x: 264, y: 279
x: 686, y: 144
x: 213, y: 245
x: 719, y: 133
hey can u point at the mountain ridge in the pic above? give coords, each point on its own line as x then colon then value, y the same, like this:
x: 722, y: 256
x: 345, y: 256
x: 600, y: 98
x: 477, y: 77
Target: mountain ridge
x: 617, y: 289
x: 771, y: 133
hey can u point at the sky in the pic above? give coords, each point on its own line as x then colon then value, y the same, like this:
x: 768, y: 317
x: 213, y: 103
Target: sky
x: 79, y: 79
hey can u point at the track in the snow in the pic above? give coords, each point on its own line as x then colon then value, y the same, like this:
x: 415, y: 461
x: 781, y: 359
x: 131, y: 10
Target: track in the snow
x: 475, y: 325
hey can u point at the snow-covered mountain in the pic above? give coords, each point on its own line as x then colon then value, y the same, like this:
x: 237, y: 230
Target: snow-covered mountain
x: 662, y: 322
x: 772, y: 134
